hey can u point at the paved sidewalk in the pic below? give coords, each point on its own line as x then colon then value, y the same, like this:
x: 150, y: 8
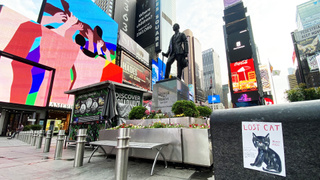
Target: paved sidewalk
x: 19, y: 160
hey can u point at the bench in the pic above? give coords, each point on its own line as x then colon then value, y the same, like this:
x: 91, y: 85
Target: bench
x: 137, y: 145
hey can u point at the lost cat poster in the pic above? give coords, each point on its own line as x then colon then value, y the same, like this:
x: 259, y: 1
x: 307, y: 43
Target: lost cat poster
x: 263, y: 147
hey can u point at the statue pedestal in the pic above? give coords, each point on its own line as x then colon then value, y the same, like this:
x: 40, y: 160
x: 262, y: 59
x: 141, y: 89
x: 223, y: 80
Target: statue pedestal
x: 166, y: 92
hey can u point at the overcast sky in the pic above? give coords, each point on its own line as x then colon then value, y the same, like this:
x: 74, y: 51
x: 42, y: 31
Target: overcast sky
x: 272, y: 22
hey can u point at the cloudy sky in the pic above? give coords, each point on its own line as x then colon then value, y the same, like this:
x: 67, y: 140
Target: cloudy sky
x: 272, y: 22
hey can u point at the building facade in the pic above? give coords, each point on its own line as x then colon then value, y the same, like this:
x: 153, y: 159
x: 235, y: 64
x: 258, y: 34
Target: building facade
x: 107, y: 6
x: 308, y: 14
x: 193, y: 74
x: 211, y: 73
x: 224, y: 98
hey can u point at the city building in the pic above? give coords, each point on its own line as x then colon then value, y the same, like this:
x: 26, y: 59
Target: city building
x: 224, y: 98
x: 305, y: 40
x: 292, y: 81
x: 211, y: 73
x: 193, y: 74
x: 107, y: 6
x: 308, y: 14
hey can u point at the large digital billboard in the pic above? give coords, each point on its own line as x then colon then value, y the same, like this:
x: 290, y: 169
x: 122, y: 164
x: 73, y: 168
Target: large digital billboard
x: 243, y: 76
x: 239, y: 46
x: 34, y: 42
x: 21, y: 89
x: 134, y: 72
x: 84, y: 23
x: 145, y: 22
x: 158, y: 70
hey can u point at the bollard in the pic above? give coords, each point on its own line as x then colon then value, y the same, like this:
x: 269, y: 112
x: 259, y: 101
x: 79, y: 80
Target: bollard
x: 48, y: 141
x: 29, y: 136
x: 81, y: 140
x: 40, y: 137
x: 59, y: 145
x: 121, y: 168
x: 34, y: 138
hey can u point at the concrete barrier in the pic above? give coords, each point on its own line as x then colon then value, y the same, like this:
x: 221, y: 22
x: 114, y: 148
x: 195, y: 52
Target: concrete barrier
x: 300, y: 125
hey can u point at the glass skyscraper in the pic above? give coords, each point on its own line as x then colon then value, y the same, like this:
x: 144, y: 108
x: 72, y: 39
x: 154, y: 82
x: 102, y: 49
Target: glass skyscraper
x: 211, y: 73
x: 308, y: 14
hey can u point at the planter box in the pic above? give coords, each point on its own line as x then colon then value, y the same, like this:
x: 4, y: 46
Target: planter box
x: 197, y: 147
x: 186, y: 121
x: 189, y: 146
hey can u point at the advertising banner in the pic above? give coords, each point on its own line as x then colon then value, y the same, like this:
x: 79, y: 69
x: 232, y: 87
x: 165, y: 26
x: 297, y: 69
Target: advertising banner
x: 134, y: 72
x: 236, y: 26
x: 243, y: 76
x: 89, y: 106
x: 145, y: 22
x: 158, y: 70
x: 157, y: 27
x: 130, y: 45
x: 312, y: 62
x: 124, y: 15
x: 308, y: 46
x: 229, y: 2
x: 318, y: 60
x: 245, y: 97
x: 214, y: 99
x: 191, y: 92
x: 239, y: 46
x: 307, y: 33
x: 265, y: 80
x: 128, y: 97
x: 263, y: 148
x: 73, y: 64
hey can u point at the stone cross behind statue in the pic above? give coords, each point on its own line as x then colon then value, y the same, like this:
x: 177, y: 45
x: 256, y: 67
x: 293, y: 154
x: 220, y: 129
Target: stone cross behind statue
x: 178, y: 50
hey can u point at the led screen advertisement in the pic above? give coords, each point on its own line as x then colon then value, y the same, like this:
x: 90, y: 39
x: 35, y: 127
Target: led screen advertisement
x: 84, y: 23
x: 22, y: 90
x: 214, y: 99
x: 158, y: 70
x: 245, y: 98
x: 239, y: 46
x: 74, y: 68
x: 145, y: 22
x: 134, y: 72
x: 243, y: 76
x: 308, y: 46
x: 229, y: 2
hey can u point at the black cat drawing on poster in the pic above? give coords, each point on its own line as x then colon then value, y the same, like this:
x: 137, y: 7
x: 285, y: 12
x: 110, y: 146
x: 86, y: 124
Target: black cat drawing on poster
x: 266, y: 154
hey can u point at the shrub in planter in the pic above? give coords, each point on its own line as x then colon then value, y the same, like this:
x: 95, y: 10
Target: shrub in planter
x: 26, y: 128
x: 137, y: 112
x: 204, y: 111
x: 187, y: 108
x: 35, y: 127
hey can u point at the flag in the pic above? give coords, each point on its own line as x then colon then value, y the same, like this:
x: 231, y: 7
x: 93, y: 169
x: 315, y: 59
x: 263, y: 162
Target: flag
x: 276, y: 73
x: 271, y: 68
x: 293, y: 57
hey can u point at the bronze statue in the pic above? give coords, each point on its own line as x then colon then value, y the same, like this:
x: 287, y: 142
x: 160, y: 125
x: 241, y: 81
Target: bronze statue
x: 178, y: 50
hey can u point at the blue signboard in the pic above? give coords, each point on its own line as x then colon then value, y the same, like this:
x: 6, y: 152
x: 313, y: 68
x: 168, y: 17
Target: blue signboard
x: 158, y: 71
x: 214, y: 99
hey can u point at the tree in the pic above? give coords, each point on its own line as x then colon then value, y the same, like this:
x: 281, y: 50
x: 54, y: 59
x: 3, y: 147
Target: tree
x: 302, y: 93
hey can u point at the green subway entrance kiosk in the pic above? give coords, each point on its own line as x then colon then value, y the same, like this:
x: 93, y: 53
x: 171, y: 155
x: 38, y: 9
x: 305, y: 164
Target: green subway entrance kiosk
x: 96, y: 106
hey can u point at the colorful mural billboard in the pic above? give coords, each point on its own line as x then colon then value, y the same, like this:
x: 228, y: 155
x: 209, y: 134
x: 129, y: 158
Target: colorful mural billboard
x: 34, y: 42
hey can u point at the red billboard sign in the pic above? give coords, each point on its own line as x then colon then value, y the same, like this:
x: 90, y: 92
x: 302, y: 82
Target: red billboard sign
x: 134, y: 72
x: 243, y: 76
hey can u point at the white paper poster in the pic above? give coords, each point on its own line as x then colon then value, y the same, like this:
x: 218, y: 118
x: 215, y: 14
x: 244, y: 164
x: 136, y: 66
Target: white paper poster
x: 263, y: 147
